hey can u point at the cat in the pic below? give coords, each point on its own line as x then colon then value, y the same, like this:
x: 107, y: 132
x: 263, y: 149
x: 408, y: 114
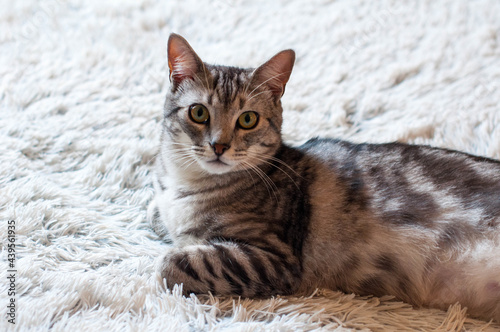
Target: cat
x: 251, y: 216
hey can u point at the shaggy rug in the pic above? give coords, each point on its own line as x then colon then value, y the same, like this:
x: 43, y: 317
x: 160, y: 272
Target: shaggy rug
x: 82, y: 86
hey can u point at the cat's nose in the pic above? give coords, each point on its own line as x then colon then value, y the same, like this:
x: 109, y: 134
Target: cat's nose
x: 219, y: 148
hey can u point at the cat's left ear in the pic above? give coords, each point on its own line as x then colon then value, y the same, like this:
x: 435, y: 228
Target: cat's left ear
x: 276, y: 72
x: 183, y: 62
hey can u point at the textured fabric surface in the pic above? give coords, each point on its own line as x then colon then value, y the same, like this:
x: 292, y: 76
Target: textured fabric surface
x: 81, y: 92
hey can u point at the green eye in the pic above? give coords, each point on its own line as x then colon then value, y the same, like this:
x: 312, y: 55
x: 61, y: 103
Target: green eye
x: 248, y: 120
x: 198, y: 113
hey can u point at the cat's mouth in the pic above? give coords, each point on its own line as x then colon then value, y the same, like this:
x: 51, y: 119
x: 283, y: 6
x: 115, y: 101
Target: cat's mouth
x: 217, y: 162
x: 217, y: 166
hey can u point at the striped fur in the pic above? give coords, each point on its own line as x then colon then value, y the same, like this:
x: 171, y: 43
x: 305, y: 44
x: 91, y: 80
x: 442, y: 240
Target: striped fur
x: 416, y: 222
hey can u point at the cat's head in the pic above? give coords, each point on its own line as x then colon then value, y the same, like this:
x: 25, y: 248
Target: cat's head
x: 222, y: 119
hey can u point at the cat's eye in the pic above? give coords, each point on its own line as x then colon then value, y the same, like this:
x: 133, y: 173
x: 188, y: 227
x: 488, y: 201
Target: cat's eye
x: 199, y: 113
x: 248, y: 120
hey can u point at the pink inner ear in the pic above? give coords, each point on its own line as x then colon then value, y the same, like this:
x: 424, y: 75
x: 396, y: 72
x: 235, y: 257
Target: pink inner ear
x: 276, y: 72
x: 182, y: 67
x: 182, y: 60
x: 276, y: 82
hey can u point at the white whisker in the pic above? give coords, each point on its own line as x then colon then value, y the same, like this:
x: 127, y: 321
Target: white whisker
x: 257, y: 95
x: 271, y: 78
x: 249, y: 81
x: 271, y: 164
x: 242, y: 167
x: 282, y: 163
x: 269, y: 184
x: 189, y: 164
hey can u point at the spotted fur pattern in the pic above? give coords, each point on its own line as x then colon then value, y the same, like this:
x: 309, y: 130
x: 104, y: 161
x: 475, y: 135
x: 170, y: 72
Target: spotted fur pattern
x: 264, y: 218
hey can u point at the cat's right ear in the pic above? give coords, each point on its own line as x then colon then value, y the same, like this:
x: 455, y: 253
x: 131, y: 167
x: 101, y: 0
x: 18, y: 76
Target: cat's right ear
x: 276, y: 72
x: 183, y: 62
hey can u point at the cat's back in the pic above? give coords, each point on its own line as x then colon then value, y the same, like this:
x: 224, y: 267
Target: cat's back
x: 341, y: 154
x: 403, y: 184
x: 422, y: 168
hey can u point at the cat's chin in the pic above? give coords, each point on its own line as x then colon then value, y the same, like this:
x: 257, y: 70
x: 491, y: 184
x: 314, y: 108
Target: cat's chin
x: 217, y: 167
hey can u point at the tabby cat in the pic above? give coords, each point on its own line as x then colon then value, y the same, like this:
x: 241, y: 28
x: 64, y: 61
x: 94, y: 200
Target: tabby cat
x: 249, y: 215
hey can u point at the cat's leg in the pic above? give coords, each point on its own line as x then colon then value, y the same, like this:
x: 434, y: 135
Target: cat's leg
x: 154, y: 220
x: 472, y: 278
x: 228, y: 268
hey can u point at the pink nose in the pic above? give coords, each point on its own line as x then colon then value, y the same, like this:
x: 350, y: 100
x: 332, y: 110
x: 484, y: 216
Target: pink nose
x: 219, y: 149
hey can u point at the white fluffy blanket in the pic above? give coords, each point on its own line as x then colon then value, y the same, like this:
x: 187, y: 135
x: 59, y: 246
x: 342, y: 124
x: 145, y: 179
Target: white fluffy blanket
x: 81, y: 91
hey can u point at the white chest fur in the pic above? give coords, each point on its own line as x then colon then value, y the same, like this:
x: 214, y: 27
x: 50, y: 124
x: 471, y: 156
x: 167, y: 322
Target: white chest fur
x: 177, y: 214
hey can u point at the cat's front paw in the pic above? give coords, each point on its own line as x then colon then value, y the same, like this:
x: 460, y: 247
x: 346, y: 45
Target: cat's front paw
x: 161, y: 263
x: 175, y: 268
x: 227, y: 269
